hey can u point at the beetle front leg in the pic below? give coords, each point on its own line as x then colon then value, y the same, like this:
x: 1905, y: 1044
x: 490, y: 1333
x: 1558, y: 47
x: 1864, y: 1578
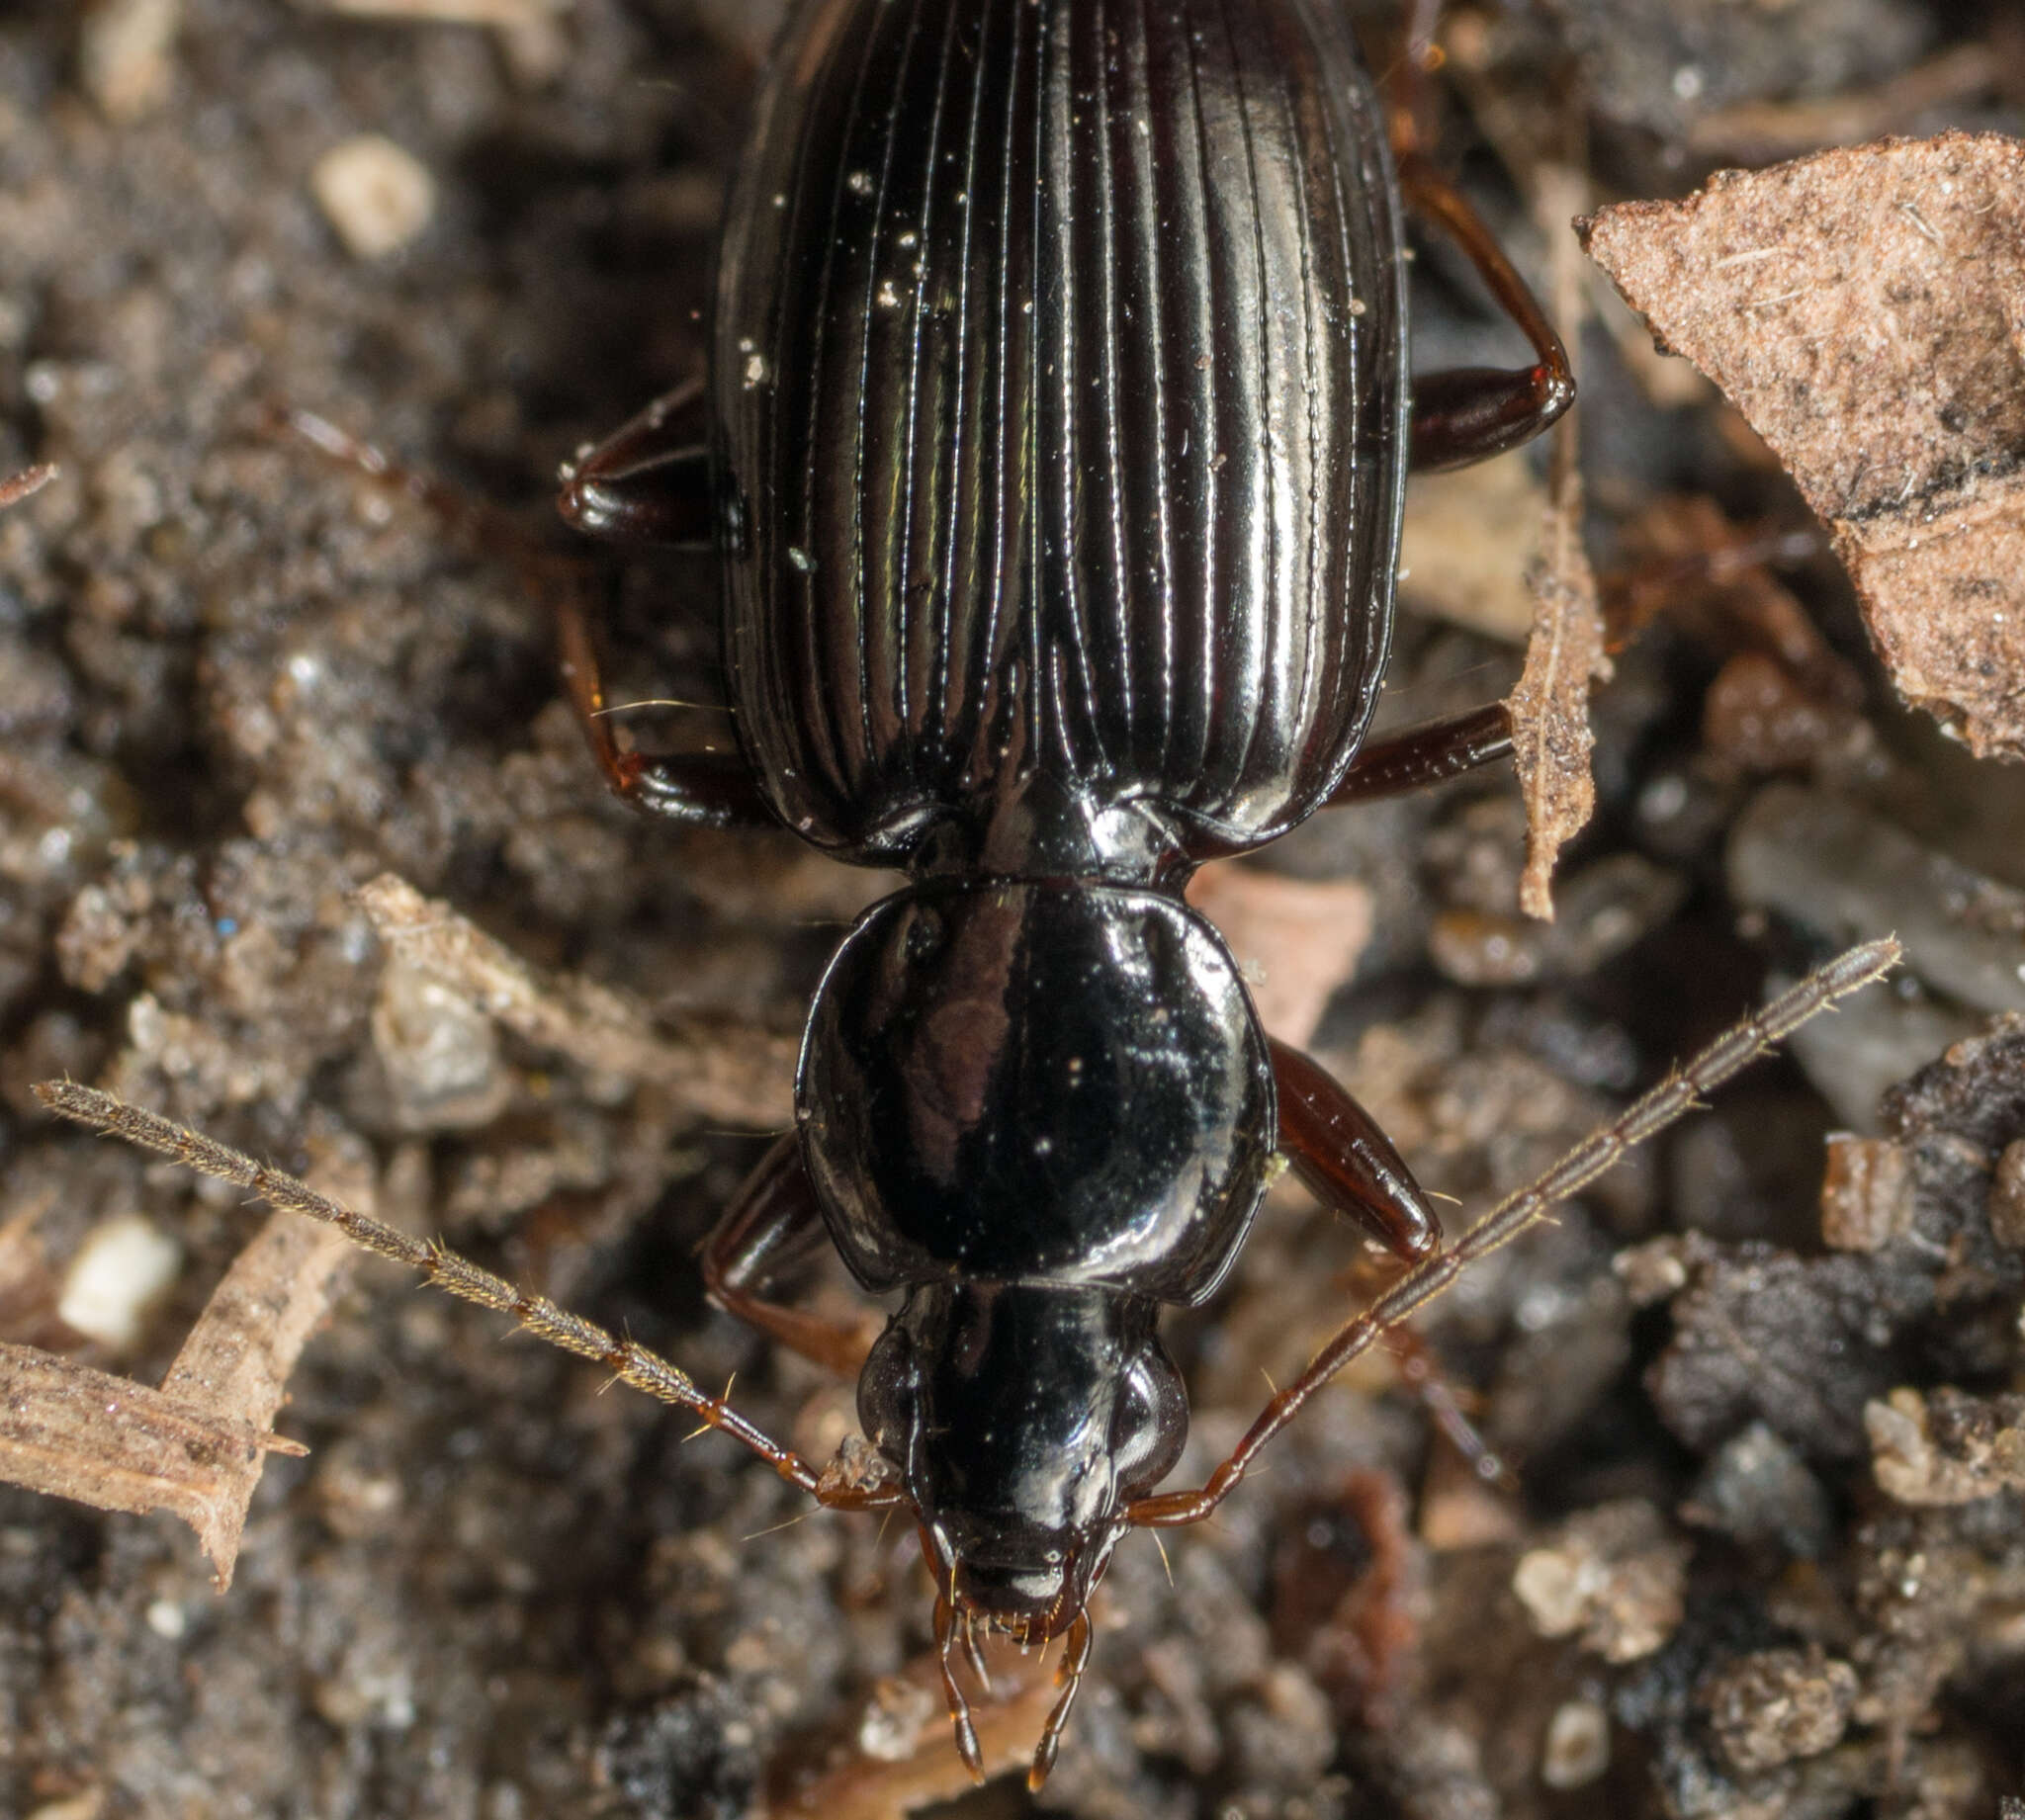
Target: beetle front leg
x: 773, y: 1222
x: 1345, y: 1162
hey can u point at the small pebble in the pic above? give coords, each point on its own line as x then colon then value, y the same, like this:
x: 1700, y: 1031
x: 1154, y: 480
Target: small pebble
x: 1865, y: 1193
x: 377, y: 196
x: 122, y: 55
x: 1944, y: 1446
x: 2007, y: 1198
x: 1616, y: 1575
x: 125, y: 1267
x: 1577, y: 1748
x: 439, y: 1051
x: 1758, y: 1491
x: 1777, y: 1704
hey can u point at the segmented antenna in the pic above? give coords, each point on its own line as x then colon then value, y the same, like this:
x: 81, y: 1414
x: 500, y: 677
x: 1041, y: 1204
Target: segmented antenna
x: 445, y: 1269
x: 1742, y: 1043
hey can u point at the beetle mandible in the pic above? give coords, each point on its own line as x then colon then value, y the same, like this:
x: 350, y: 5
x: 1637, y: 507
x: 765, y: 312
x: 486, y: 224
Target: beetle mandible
x: 1054, y: 447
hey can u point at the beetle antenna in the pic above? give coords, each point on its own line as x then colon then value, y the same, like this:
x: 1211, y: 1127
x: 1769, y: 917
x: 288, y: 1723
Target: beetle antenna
x: 444, y: 1269
x: 1679, y: 1094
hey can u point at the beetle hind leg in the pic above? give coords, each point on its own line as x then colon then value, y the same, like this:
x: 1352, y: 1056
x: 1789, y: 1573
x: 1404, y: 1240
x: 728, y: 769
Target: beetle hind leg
x: 1466, y: 414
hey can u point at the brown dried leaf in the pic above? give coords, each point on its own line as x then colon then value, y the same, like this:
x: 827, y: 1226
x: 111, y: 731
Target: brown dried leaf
x: 71, y: 1432
x: 1550, y: 733
x: 1865, y: 310
x: 744, y: 1079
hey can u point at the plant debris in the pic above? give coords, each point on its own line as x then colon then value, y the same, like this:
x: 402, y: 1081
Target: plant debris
x: 28, y: 483
x: 742, y: 1079
x: 1863, y: 310
x: 1551, y: 738
x: 196, y: 1446
x: 107, y: 1442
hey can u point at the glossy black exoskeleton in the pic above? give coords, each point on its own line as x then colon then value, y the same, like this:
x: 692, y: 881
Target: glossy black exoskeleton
x: 1054, y: 447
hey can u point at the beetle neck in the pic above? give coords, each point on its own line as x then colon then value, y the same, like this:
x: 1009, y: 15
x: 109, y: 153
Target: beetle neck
x: 1045, y: 830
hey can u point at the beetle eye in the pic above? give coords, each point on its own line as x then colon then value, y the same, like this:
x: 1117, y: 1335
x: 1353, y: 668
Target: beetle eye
x: 889, y: 1394
x: 1151, y: 1425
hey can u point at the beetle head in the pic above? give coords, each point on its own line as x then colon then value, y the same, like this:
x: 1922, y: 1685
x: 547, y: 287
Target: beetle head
x: 1022, y: 1417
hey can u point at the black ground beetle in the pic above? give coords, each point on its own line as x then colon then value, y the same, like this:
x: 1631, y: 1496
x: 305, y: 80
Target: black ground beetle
x: 1054, y: 448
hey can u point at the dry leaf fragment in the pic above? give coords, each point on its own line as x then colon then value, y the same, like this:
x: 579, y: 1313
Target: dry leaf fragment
x: 1550, y: 733
x: 1865, y: 310
x: 71, y: 1432
x: 1298, y: 940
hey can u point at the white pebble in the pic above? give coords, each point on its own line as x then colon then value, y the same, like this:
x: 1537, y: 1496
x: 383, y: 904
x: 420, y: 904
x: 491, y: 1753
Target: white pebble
x: 123, y: 1267
x: 377, y: 196
x: 124, y: 55
x: 1577, y: 1746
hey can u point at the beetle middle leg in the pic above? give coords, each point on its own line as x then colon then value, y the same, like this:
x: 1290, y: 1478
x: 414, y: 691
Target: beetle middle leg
x: 773, y: 1222
x: 1466, y: 414
x: 649, y: 482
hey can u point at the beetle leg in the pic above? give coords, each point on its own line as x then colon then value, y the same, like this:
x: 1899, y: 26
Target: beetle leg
x: 773, y: 1222
x: 1349, y: 1166
x: 1466, y: 414
x: 696, y: 789
x: 1069, y: 1677
x: 1347, y: 1163
x: 649, y: 482
x: 1429, y: 753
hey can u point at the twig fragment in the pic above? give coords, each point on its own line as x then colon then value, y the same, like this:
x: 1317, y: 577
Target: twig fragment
x: 71, y: 1432
x: 743, y: 1079
x: 29, y: 481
